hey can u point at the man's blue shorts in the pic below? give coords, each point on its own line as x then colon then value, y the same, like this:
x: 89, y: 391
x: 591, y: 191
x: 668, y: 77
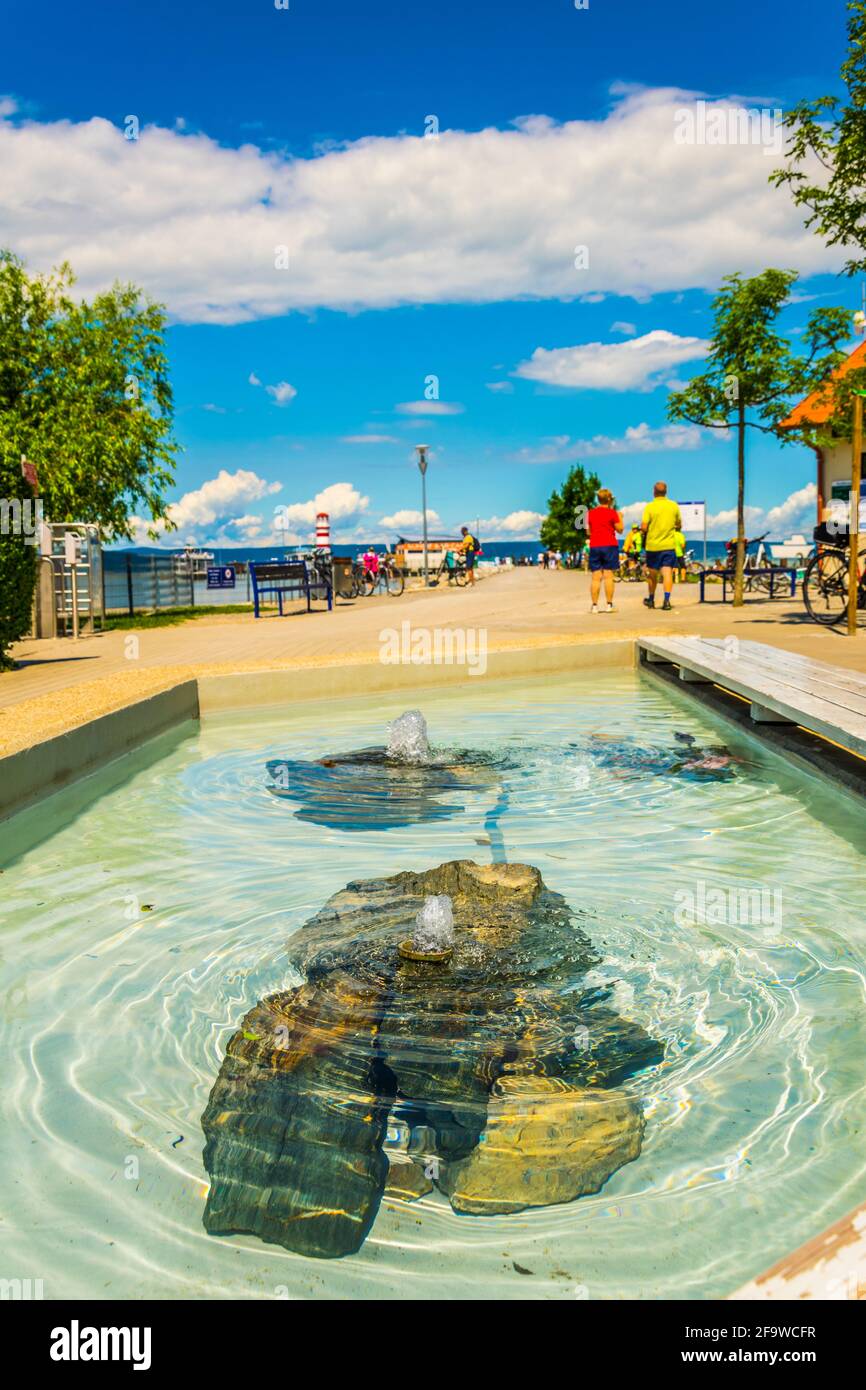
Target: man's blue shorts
x: 604, y: 557
x: 658, y: 559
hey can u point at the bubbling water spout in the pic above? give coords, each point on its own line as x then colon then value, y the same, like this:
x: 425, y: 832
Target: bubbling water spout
x: 434, y: 925
x: 407, y: 738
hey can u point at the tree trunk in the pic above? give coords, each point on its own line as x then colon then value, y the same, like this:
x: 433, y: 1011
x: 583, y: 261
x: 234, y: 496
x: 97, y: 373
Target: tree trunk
x: 741, y: 497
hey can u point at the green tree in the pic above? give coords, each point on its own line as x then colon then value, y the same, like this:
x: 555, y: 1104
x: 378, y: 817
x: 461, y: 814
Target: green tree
x: 17, y: 557
x: 753, y: 378
x: 84, y: 394
x: 826, y: 153
x: 562, y: 528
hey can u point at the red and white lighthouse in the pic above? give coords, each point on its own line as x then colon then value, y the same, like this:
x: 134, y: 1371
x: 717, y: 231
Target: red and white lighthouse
x: 323, y: 531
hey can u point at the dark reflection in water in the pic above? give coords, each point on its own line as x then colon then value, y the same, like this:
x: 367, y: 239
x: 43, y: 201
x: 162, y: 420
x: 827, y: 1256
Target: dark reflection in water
x: 367, y: 789
x: 501, y: 1066
x: 686, y: 758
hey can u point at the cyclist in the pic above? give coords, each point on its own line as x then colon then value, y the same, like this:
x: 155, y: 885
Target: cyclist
x: 633, y: 546
x: 371, y: 562
x: 680, y: 553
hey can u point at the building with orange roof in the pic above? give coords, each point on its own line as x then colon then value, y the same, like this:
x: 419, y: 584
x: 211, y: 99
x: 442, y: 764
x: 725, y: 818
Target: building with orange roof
x: 834, y: 460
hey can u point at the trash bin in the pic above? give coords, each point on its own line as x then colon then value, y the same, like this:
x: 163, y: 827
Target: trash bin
x: 342, y: 565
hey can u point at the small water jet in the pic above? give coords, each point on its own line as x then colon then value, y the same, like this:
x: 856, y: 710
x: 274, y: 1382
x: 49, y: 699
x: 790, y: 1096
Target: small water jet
x: 433, y: 938
x: 407, y: 738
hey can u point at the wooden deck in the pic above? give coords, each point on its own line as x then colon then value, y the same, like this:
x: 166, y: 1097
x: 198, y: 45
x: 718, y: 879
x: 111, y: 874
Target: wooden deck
x: 782, y: 687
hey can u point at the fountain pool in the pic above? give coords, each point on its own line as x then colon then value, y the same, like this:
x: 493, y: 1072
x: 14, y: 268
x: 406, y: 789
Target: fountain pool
x: 728, y: 914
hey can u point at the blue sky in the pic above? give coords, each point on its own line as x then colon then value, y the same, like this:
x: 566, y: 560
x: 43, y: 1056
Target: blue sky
x: 408, y: 257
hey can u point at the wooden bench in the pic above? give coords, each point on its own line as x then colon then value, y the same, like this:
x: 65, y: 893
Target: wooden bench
x: 727, y: 577
x: 291, y: 578
x: 781, y: 687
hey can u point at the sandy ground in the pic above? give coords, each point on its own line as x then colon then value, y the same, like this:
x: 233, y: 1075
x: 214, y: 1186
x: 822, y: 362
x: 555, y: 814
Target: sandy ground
x: 61, y: 684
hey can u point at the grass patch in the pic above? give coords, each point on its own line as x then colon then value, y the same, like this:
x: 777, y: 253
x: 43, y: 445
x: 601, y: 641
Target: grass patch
x: 172, y: 617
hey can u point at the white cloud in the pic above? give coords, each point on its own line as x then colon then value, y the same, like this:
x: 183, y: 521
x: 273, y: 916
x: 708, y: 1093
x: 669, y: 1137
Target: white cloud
x: 639, y: 364
x: 216, y: 499
x: 627, y: 329
x: 341, y: 501
x: 406, y: 519
x: 472, y: 217
x: 214, y: 503
x: 253, y: 379
x: 282, y: 393
x: 505, y: 387
x: 430, y: 408
x: 371, y: 439
x: 638, y: 439
x: 797, y: 513
x: 517, y: 526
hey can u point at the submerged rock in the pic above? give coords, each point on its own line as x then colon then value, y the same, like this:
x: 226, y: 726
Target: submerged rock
x: 496, y: 1057
x: 373, y: 789
x: 686, y: 758
x: 543, y: 1143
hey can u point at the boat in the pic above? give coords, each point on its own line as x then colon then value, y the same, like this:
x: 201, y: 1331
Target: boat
x: 193, y: 559
x: 795, y: 548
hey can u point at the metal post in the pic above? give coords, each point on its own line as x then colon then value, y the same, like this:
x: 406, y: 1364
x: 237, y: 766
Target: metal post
x: 854, y: 518
x: 73, y: 570
x: 705, y: 534
x: 421, y: 450
x: 424, y: 512
x: 129, y: 587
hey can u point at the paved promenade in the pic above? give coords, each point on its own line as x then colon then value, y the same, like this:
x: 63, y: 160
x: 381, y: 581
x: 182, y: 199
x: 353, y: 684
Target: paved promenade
x: 61, y: 683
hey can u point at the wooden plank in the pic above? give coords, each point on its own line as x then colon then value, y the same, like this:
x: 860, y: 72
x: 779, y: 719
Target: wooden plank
x: 765, y: 687
x: 815, y: 679
x: 794, y: 662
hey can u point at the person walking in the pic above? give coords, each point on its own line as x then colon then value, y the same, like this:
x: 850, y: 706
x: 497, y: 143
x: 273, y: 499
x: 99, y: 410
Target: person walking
x: 469, y: 546
x: 660, y: 523
x: 603, y: 522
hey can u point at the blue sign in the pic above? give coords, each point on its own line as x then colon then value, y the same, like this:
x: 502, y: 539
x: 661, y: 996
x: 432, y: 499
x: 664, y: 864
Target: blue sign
x: 221, y: 576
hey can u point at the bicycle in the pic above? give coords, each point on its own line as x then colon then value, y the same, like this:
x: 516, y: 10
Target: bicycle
x: 387, y: 574
x: 455, y: 572
x: 631, y: 570
x: 825, y: 584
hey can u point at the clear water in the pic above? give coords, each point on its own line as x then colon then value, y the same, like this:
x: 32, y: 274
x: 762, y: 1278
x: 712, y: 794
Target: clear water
x: 142, y: 926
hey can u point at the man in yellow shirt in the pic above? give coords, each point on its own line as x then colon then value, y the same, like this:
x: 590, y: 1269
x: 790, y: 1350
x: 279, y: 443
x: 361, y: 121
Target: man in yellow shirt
x: 660, y: 523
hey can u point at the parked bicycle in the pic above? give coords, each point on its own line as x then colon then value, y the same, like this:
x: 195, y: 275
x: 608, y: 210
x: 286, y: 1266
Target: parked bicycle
x: 366, y: 582
x: 825, y: 583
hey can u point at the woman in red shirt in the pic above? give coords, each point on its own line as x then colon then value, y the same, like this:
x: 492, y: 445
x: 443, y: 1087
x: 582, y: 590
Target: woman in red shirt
x: 603, y: 523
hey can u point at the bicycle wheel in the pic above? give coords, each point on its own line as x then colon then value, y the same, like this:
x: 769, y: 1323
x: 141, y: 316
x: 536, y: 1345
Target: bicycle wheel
x: 395, y: 582
x: 460, y: 576
x: 369, y: 584
x: 825, y: 587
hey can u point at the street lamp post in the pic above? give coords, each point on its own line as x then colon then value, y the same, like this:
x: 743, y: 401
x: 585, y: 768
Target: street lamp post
x: 421, y: 450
